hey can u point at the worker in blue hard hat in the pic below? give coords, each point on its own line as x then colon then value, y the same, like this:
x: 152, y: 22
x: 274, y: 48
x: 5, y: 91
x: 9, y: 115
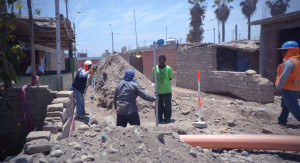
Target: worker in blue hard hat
x: 288, y: 81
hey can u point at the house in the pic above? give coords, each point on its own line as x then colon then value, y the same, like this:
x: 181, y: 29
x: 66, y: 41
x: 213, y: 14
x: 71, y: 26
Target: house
x: 274, y: 32
x: 45, y: 50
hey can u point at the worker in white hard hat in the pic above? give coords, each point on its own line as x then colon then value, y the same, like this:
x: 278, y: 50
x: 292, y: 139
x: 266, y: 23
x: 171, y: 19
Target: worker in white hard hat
x: 79, y: 87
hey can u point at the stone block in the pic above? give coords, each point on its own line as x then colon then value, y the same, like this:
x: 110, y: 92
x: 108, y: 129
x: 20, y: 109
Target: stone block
x: 65, y: 94
x: 37, y: 146
x: 20, y: 159
x: 55, y: 107
x: 54, y: 114
x: 64, y: 116
x: 65, y: 100
x: 52, y: 127
x: 34, y: 135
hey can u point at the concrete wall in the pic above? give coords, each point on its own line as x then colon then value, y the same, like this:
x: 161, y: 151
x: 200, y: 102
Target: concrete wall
x: 12, y: 125
x: 171, y: 54
x: 247, y: 85
x: 49, y: 80
x: 134, y: 61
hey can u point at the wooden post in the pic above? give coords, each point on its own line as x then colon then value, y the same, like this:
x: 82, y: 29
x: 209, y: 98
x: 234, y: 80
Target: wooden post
x: 31, y: 35
x: 58, y: 58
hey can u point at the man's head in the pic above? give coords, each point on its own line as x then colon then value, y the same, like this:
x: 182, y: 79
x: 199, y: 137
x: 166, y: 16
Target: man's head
x: 285, y: 46
x: 89, y: 65
x: 129, y: 75
x: 162, y: 60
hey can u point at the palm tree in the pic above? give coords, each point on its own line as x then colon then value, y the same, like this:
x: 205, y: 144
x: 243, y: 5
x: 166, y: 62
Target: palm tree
x: 248, y: 8
x: 197, y: 15
x: 222, y: 12
x: 278, y: 7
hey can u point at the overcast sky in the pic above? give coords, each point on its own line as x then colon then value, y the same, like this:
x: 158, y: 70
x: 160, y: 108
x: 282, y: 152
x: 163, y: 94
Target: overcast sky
x: 93, y: 32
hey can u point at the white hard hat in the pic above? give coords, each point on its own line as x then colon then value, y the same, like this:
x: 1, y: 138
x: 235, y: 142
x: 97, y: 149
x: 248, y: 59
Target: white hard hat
x: 88, y: 62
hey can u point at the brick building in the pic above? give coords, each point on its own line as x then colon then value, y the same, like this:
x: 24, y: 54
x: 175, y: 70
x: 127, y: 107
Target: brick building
x: 274, y: 32
x: 170, y: 51
x: 218, y: 75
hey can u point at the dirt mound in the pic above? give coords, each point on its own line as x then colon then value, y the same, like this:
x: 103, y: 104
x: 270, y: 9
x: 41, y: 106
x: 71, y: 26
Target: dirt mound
x: 112, y: 69
x: 131, y: 144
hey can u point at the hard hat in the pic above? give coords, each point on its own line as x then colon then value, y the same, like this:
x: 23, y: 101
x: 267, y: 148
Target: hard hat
x: 88, y: 62
x: 288, y: 44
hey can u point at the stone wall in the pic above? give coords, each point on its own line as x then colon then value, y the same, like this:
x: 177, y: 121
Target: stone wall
x: 12, y: 125
x: 247, y: 85
x: 51, y: 114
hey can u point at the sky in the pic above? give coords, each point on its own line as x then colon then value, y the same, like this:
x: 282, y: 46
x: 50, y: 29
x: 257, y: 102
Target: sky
x: 155, y: 19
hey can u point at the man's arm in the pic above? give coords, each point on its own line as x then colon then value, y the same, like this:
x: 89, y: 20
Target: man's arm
x: 83, y: 73
x: 143, y: 94
x: 40, y: 70
x: 170, y: 73
x: 28, y: 71
x: 286, y: 71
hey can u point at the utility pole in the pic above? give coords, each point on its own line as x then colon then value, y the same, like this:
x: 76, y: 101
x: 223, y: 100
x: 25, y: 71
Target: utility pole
x: 32, y: 48
x: 67, y: 9
x: 112, y: 40
x: 166, y: 33
x: 214, y: 35
x: 135, y: 30
x: 236, y: 32
x: 219, y: 31
x: 58, y: 45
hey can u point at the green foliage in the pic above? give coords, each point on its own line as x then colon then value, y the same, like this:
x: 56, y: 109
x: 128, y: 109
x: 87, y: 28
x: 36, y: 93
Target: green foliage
x: 197, y: 16
x: 37, y: 12
x: 278, y: 7
x: 10, y: 53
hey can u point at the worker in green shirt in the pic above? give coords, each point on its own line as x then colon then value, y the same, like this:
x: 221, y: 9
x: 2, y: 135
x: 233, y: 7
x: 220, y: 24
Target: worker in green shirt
x: 164, y: 91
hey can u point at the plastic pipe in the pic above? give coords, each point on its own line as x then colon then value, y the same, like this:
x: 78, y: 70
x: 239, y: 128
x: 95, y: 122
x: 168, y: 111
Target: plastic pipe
x: 260, y: 142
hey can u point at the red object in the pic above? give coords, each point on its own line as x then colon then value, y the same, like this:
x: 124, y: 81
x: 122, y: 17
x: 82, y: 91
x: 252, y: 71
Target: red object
x: 199, y: 88
x: 261, y: 142
x: 24, y: 103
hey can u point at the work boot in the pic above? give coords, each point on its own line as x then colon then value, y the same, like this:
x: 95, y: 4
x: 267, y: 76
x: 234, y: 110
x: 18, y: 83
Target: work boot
x: 282, y: 123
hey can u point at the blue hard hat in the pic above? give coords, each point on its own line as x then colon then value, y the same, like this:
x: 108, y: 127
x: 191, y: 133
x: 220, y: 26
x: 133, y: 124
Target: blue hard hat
x: 288, y: 44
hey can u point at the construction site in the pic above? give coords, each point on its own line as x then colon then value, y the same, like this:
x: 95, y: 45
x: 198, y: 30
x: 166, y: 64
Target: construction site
x: 224, y: 101
x: 245, y: 113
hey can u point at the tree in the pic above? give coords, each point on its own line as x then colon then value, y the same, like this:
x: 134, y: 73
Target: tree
x: 248, y: 8
x: 222, y: 12
x: 10, y: 52
x: 278, y: 7
x: 197, y: 15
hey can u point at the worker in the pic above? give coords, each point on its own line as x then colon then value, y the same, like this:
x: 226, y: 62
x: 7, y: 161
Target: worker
x: 125, y: 100
x: 288, y: 81
x: 164, y: 90
x: 38, y: 69
x: 79, y: 87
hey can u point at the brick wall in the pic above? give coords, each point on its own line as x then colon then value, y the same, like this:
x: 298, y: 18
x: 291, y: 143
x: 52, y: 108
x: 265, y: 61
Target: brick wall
x: 148, y: 62
x: 135, y: 62
x: 12, y: 125
x: 247, y: 85
x: 271, y: 56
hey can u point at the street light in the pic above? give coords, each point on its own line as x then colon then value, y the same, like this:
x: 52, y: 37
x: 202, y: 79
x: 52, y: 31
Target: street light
x: 78, y: 12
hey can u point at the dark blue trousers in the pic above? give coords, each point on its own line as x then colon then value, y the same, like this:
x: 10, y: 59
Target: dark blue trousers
x: 132, y: 119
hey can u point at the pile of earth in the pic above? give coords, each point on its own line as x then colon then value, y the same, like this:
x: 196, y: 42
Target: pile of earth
x: 112, y: 69
x: 101, y: 143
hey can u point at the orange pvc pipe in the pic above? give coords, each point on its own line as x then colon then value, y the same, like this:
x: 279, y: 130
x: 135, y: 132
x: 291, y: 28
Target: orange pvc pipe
x: 260, y: 142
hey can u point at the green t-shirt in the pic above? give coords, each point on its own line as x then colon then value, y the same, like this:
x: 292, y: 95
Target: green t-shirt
x: 163, y: 79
